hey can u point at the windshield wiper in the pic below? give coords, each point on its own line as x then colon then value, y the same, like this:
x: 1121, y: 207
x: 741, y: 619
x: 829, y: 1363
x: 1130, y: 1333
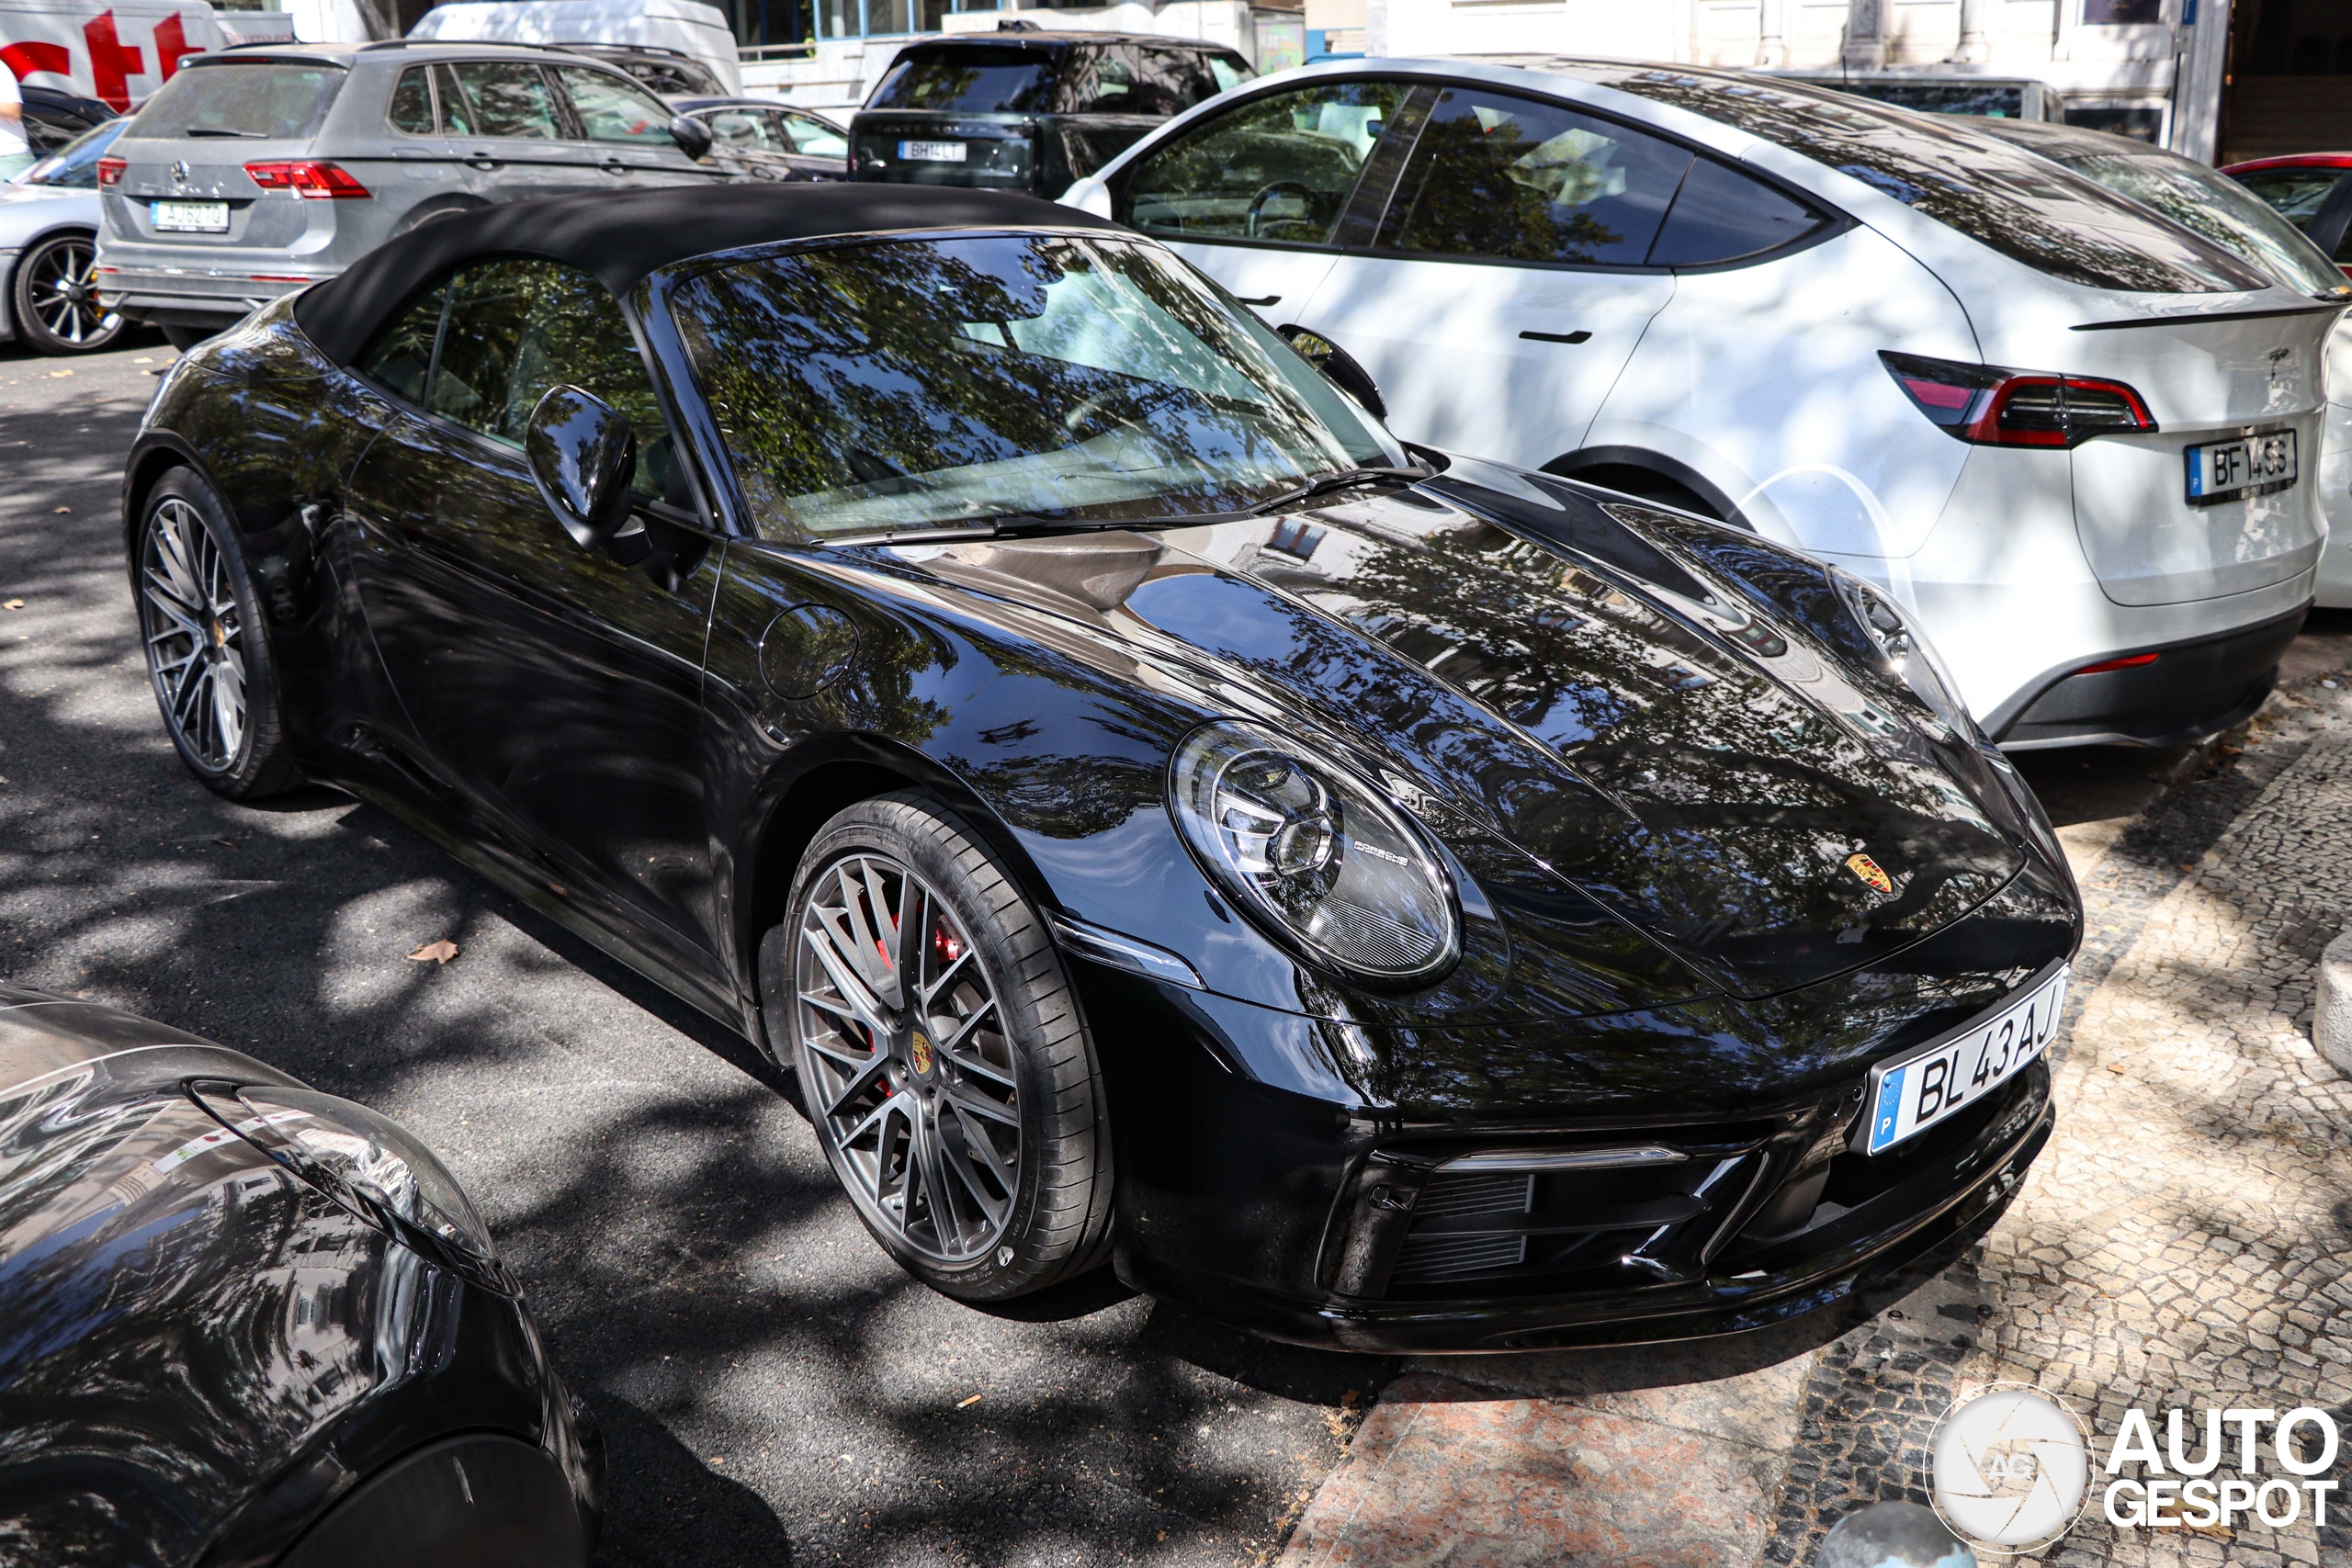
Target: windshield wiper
x: 224, y: 131
x: 1022, y: 525
x: 1346, y: 480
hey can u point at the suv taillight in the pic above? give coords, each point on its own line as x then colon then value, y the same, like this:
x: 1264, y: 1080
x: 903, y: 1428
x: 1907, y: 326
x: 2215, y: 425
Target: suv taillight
x: 310, y: 182
x: 1993, y: 407
x: 110, y: 171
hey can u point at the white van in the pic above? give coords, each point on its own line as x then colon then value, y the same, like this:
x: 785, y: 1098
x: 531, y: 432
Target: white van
x: 683, y: 27
x: 118, y: 51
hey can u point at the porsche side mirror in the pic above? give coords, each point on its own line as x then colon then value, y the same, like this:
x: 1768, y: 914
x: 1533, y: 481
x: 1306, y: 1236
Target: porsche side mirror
x: 692, y: 135
x: 1339, y: 367
x: 583, y: 455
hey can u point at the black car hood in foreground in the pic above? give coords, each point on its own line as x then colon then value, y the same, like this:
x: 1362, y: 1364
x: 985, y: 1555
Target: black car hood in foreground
x: 1681, y: 721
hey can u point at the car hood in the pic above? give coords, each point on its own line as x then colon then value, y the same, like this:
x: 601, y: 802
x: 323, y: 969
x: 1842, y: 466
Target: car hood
x: 1698, y: 759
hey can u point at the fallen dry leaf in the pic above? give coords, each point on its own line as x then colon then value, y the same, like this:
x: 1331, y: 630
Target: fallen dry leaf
x: 2117, y: 1068
x: 13, y: 604
x: 62, y: 510
x: 434, y: 952
x: 57, y: 375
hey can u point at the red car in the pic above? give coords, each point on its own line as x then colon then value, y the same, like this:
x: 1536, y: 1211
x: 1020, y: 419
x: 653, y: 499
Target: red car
x: 2313, y: 189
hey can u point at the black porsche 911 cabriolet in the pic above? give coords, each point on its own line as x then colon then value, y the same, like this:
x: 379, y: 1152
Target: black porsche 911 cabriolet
x: 1379, y: 899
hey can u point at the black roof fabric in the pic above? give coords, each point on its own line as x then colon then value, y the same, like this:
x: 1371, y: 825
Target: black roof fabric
x: 621, y: 236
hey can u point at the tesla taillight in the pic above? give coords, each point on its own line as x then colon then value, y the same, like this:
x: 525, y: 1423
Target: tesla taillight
x: 110, y: 171
x: 308, y: 181
x: 1993, y: 407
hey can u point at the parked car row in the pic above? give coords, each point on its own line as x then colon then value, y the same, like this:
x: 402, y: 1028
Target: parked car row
x: 1348, y: 724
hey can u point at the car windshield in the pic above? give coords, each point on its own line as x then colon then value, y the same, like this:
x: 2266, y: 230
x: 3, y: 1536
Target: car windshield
x: 2208, y: 203
x: 256, y: 100
x: 888, y: 386
x: 974, y: 79
x: 2024, y: 207
x: 74, y: 166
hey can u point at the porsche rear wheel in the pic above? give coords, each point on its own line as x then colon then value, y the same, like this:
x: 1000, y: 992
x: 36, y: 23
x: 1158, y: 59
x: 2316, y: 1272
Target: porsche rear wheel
x: 942, y: 1054
x: 207, y: 657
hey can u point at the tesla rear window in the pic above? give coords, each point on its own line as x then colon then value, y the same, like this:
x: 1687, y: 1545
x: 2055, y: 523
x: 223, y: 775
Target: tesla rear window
x: 970, y: 80
x: 2026, y: 207
x: 248, y: 101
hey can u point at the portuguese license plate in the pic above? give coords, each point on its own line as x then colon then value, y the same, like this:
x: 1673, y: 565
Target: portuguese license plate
x: 189, y: 217
x: 2255, y: 465
x: 1914, y: 1093
x: 931, y: 152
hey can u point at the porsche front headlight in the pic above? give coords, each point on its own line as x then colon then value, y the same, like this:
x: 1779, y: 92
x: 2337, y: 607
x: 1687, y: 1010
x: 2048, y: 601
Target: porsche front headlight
x: 1905, y: 647
x: 1313, y: 853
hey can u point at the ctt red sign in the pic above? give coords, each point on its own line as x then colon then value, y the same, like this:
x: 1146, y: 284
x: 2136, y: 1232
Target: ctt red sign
x: 119, y: 55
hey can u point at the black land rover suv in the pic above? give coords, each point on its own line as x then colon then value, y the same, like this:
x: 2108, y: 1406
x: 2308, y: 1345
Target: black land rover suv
x: 1026, y: 109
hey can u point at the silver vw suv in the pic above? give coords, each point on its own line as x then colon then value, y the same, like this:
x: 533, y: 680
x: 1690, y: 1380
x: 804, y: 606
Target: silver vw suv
x: 256, y: 172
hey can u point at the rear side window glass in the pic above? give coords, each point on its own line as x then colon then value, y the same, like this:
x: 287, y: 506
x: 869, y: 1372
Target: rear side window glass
x: 411, y: 109
x: 517, y: 328
x: 1505, y: 178
x: 262, y: 101
x: 500, y: 98
x: 612, y: 108
x: 1720, y: 215
x: 974, y: 79
x: 745, y: 130
x: 2296, y: 193
x: 401, y: 356
x: 1280, y: 167
x: 813, y: 137
x: 2024, y: 207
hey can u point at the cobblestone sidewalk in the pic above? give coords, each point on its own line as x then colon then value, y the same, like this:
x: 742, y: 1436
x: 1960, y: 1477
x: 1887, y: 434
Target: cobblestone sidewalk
x: 2186, y: 1240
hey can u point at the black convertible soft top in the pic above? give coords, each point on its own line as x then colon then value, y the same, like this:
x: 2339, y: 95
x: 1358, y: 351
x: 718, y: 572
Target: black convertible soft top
x: 621, y: 236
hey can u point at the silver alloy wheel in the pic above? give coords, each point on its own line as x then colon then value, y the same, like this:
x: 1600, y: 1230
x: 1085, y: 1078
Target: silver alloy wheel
x: 187, y: 609
x: 904, y: 1059
x: 60, y: 290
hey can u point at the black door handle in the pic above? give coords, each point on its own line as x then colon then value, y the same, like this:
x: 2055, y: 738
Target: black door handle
x: 1558, y: 337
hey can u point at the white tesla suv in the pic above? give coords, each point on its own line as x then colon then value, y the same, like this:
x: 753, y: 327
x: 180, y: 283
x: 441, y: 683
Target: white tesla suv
x: 2069, y: 435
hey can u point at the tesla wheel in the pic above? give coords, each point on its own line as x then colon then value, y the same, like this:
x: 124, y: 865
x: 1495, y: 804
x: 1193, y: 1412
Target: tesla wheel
x: 56, y: 300
x: 206, y: 654
x: 942, y: 1054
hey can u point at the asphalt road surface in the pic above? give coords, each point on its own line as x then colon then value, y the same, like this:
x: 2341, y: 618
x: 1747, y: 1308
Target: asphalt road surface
x: 774, y: 1390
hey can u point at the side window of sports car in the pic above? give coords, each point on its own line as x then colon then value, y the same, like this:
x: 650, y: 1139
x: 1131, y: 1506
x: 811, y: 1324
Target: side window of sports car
x: 517, y: 328
x: 1495, y: 176
x: 1279, y: 167
x: 1721, y: 215
x: 402, y: 356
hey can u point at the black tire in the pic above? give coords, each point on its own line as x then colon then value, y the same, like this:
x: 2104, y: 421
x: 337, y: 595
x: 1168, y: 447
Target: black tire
x: 1034, y: 1074
x: 54, y: 301
x: 208, y: 658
